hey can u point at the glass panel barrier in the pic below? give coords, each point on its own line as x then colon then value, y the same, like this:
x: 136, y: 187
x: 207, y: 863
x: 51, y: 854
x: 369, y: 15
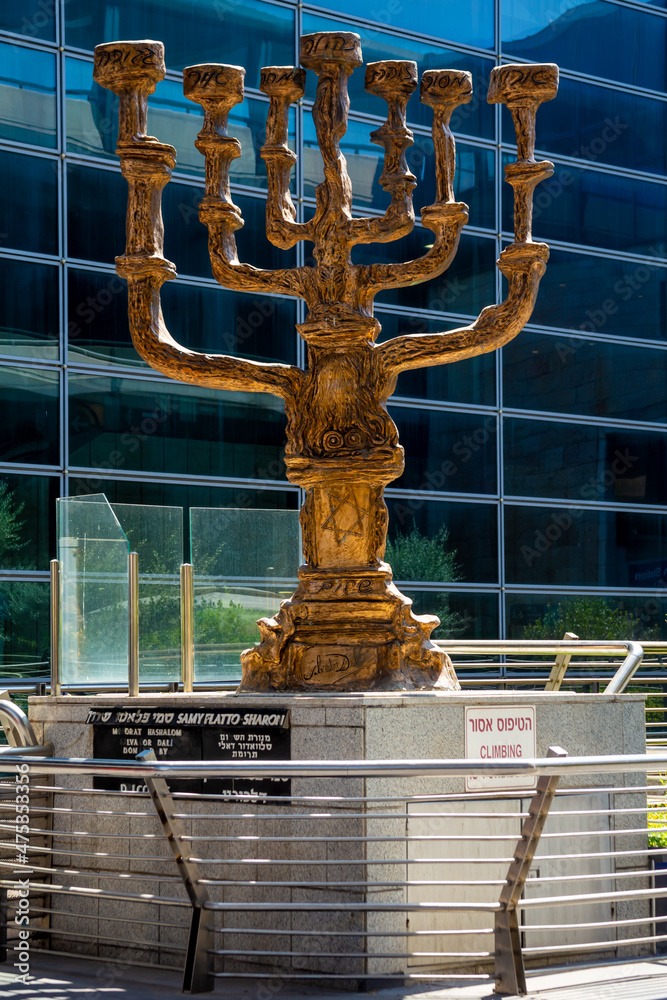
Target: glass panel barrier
x: 245, y: 563
x: 93, y: 551
x: 156, y: 535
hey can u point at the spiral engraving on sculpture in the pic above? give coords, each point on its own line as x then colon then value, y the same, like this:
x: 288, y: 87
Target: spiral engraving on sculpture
x: 332, y: 442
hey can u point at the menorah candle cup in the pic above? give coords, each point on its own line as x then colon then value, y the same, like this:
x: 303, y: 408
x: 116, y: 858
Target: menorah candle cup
x: 444, y: 90
x: 341, y: 47
x: 217, y: 88
x: 394, y: 81
x: 391, y: 79
x: 132, y: 70
x: 522, y: 88
x: 284, y: 85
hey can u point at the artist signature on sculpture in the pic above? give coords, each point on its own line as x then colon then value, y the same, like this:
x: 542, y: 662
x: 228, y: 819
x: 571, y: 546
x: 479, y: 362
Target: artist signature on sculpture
x: 334, y: 663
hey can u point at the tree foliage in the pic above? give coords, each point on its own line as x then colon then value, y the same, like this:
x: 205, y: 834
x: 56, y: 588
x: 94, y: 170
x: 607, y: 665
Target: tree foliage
x: 589, y: 618
x: 413, y: 556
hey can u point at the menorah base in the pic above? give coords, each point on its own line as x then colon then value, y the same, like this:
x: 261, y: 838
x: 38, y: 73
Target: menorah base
x: 350, y: 631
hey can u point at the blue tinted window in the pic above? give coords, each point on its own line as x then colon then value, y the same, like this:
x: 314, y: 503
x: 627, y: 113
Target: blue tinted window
x: 578, y: 461
x: 251, y: 34
x: 25, y: 627
x: 220, y: 322
x: 471, y: 24
x: 30, y: 18
x: 447, y: 452
x: 122, y: 423
x: 599, y: 125
x: 29, y: 203
x: 625, y: 617
x: 465, y: 288
x: 584, y: 206
x: 30, y: 314
x: 588, y: 548
x: 185, y: 496
x: 601, y: 295
x: 474, y: 182
x: 28, y: 96
x: 589, y: 36
x: 31, y: 502
x: 201, y: 319
x: 29, y: 413
x: 186, y: 238
x: 469, y: 381
x: 462, y: 615
x: 475, y: 118
x: 576, y: 375
x: 96, y: 206
x: 440, y: 541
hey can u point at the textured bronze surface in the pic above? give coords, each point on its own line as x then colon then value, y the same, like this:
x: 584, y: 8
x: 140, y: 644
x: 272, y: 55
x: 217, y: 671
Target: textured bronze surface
x: 346, y: 627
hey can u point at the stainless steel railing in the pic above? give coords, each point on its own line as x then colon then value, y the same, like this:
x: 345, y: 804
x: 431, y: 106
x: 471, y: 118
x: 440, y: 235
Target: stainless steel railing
x: 368, y: 870
x: 633, y: 653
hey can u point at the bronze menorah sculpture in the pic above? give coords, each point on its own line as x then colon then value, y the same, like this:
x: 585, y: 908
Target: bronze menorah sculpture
x: 346, y: 627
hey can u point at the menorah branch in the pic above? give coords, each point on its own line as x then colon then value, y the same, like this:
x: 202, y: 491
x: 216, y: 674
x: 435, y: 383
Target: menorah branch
x: 445, y: 222
x: 156, y: 346
x: 523, y: 265
x: 522, y: 88
x: 283, y: 85
x: 147, y: 166
x: 218, y: 88
x: 393, y: 81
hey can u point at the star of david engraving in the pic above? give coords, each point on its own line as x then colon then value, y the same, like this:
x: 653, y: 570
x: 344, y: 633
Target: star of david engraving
x: 345, y: 514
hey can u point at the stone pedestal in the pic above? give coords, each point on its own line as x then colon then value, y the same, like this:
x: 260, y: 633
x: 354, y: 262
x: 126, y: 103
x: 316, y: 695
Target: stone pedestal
x: 378, y: 869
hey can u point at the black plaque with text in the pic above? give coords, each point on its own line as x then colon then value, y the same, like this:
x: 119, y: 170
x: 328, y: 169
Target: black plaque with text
x: 186, y: 733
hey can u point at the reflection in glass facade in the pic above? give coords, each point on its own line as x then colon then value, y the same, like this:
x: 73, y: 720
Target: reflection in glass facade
x: 534, y: 478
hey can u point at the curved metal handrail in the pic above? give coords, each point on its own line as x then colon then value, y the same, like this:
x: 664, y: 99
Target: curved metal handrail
x: 619, y: 682
x: 16, y: 724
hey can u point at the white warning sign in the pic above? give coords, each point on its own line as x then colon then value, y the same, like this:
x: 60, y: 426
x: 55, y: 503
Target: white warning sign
x: 498, y: 734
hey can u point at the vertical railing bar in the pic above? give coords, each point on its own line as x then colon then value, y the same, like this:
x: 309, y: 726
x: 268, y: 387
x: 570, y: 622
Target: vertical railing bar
x: 510, y: 974
x: 561, y: 663
x: 133, y: 625
x: 4, y: 918
x: 198, y: 972
x: 54, y: 619
x: 187, y: 627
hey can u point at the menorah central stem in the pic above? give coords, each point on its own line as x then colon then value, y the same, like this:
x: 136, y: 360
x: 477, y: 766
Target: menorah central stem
x: 332, y: 57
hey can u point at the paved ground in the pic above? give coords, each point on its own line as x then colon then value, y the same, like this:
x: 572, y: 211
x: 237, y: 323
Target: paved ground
x: 66, y: 979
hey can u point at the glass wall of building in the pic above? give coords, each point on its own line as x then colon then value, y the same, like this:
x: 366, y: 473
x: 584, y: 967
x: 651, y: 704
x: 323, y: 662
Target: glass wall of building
x: 534, y: 489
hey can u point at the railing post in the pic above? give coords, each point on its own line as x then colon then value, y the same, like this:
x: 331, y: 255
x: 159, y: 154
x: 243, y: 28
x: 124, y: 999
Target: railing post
x: 509, y: 969
x: 133, y: 625
x: 54, y: 616
x: 187, y: 627
x: 560, y: 666
x: 4, y: 917
x: 198, y: 971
